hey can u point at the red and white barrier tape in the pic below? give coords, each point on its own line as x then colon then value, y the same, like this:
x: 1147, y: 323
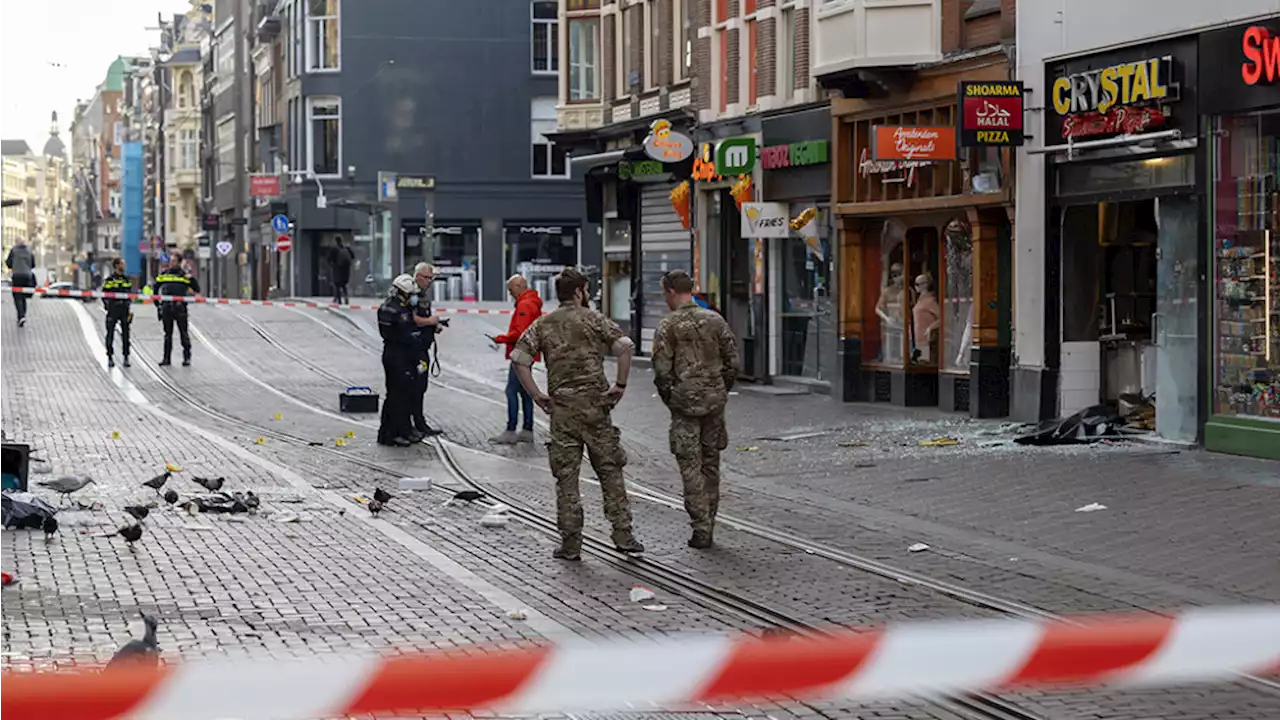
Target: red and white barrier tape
x: 896, y: 661
x: 201, y: 300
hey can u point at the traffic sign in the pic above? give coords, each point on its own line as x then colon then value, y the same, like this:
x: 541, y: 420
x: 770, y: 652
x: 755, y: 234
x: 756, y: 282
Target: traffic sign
x: 144, y: 246
x: 284, y: 243
x: 280, y: 224
x: 224, y: 248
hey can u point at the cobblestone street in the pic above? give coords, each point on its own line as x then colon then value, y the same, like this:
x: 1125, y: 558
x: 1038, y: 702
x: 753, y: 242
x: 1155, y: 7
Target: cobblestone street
x: 821, y: 502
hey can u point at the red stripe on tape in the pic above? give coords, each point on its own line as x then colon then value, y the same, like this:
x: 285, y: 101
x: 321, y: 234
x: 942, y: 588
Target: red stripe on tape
x: 781, y: 666
x: 84, y: 695
x: 1071, y: 655
x: 448, y: 680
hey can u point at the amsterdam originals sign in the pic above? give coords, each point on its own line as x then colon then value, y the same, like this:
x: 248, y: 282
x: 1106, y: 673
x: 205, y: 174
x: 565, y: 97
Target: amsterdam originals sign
x: 1123, y: 98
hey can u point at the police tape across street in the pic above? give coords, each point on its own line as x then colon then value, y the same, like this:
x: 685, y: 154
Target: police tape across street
x: 201, y: 300
x: 897, y: 661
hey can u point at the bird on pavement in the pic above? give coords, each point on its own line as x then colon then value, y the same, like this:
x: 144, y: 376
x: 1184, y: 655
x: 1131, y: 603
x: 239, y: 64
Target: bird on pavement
x: 139, y: 512
x: 67, y: 485
x: 144, y: 652
x: 252, y: 501
x: 50, y: 526
x: 158, y: 481
x: 382, y: 496
x: 171, y: 496
x: 375, y: 507
x: 210, y: 484
x: 130, y: 533
x: 467, y: 496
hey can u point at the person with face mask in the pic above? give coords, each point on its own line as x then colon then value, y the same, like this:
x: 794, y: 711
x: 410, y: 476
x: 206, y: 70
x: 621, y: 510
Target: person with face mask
x: 401, y: 362
x: 119, y: 312
x: 572, y: 340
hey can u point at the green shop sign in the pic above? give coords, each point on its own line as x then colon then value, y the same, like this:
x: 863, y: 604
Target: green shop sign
x: 811, y: 152
x: 642, y: 168
x: 736, y: 156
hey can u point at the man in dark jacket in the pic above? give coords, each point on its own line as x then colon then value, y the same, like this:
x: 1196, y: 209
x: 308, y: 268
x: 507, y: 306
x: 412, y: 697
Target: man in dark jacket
x: 23, y: 264
x: 340, y: 260
x: 401, y: 362
x: 119, y: 312
x: 174, y: 282
x: 428, y: 325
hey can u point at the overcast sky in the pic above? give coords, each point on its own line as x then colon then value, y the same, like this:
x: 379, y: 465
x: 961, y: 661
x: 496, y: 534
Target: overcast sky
x: 53, y: 53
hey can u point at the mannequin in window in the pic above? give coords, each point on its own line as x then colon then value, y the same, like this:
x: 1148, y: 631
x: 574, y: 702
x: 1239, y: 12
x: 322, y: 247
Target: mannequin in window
x: 889, y: 308
x: 926, y: 317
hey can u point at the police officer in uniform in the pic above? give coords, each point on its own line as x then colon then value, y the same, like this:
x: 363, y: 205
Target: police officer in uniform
x: 174, y: 282
x: 428, y: 326
x: 119, y: 312
x: 401, y: 362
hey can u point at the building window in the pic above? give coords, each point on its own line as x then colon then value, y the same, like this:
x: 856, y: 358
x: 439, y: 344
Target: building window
x: 546, y: 37
x: 549, y: 159
x: 324, y: 136
x: 187, y: 150
x: 322, y: 35
x: 753, y: 38
x: 721, y: 19
x: 584, y: 59
x: 651, y: 45
x: 224, y: 60
x: 682, y: 12
x: 226, y: 150
x: 632, y: 32
x: 787, y: 55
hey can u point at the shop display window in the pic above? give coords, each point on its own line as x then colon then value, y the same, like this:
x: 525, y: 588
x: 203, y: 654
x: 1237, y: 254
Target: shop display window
x: 1246, y: 222
x: 957, y: 303
x: 539, y: 253
x: 907, y: 327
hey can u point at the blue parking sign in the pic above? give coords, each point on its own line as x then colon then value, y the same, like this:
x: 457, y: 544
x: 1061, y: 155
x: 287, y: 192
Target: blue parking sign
x: 280, y: 224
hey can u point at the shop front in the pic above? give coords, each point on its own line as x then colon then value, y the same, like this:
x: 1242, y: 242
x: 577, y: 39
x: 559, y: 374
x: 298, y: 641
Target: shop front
x: 923, y: 218
x: 796, y: 189
x: 1124, y: 228
x: 1242, y: 124
x: 456, y: 255
x: 539, y: 252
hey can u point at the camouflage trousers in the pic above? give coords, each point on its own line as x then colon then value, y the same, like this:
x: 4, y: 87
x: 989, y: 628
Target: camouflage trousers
x: 696, y: 442
x: 572, y: 429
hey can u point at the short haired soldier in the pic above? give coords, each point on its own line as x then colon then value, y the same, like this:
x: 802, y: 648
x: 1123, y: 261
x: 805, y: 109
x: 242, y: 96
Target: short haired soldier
x: 695, y: 363
x: 572, y: 340
x: 119, y: 312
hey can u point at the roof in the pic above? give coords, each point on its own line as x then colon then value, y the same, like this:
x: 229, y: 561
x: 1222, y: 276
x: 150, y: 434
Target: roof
x: 54, y: 147
x: 115, y: 75
x: 184, y: 56
x: 14, y: 147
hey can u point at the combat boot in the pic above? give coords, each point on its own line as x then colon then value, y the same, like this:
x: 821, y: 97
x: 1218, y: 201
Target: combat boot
x: 570, y: 548
x: 165, y: 362
x: 126, y: 361
x: 701, y: 540
x: 111, y: 362
x: 186, y: 360
x: 627, y: 543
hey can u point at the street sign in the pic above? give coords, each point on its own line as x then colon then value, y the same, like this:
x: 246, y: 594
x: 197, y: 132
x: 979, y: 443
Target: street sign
x: 264, y: 186
x: 144, y: 246
x: 280, y: 224
x: 386, y: 186
x: 415, y: 182
x: 284, y: 243
x: 224, y: 248
x: 209, y: 221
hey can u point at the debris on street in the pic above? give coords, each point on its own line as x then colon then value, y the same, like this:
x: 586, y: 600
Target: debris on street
x: 918, y: 547
x: 1091, y: 507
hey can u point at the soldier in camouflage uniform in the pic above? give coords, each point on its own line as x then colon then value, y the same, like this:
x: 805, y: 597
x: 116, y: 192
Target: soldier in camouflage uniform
x: 573, y: 340
x: 695, y: 363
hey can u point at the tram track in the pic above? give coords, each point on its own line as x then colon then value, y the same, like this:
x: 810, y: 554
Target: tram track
x: 971, y: 706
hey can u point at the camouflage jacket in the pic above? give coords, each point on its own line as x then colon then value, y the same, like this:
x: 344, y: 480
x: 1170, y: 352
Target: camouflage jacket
x: 573, y: 341
x: 695, y: 360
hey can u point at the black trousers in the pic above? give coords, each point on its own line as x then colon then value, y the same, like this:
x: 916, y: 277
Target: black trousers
x: 340, y: 293
x: 401, y: 390
x: 115, y: 317
x: 419, y: 394
x: 170, y: 318
x: 20, y: 299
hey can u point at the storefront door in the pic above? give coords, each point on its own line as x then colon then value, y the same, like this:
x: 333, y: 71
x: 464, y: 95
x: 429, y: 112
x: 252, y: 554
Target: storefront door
x: 1177, y: 342
x: 807, y: 323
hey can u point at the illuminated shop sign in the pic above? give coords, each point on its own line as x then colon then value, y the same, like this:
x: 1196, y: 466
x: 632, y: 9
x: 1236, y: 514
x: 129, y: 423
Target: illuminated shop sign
x: 1127, y: 98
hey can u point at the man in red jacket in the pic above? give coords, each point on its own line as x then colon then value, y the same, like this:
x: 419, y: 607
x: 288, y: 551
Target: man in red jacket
x: 528, y: 309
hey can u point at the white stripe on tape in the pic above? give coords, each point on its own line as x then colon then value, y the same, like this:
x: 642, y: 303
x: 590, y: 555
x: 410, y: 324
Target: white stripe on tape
x: 1213, y: 643
x: 245, y: 688
x: 642, y: 673
x: 943, y: 655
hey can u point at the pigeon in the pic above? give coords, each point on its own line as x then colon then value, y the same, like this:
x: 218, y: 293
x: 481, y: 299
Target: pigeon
x: 144, y: 652
x: 210, y: 484
x: 251, y: 501
x: 467, y: 496
x: 50, y: 526
x: 139, y: 512
x: 375, y: 507
x: 382, y: 496
x: 158, y: 481
x: 130, y: 533
x: 64, y: 486
x: 171, y: 496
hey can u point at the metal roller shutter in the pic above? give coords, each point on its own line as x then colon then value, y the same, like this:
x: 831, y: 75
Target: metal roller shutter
x: 664, y: 245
